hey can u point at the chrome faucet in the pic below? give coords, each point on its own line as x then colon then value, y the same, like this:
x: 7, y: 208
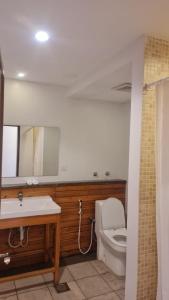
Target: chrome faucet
x: 20, y: 197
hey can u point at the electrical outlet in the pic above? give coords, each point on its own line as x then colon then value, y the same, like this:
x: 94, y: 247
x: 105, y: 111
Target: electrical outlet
x: 95, y: 174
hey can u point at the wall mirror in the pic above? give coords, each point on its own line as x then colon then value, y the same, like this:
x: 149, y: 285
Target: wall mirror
x: 30, y: 151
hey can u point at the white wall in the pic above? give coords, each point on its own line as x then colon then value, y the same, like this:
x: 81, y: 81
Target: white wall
x: 94, y: 134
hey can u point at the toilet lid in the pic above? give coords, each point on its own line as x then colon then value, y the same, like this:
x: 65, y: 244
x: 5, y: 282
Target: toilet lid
x: 112, y: 214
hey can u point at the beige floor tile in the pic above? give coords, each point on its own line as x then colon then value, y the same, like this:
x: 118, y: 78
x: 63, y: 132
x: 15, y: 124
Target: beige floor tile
x: 6, y: 286
x: 73, y: 294
x: 42, y: 294
x: 82, y: 270
x: 117, y: 284
x: 26, y: 282
x: 65, y: 276
x: 100, y: 266
x: 109, y: 276
x: 8, y: 297
x: 110, y: 296
x: 121, y: 293
x: 114, y: 282
x: 48, y: 277
x: 76, y: 290
x: 93, y: 286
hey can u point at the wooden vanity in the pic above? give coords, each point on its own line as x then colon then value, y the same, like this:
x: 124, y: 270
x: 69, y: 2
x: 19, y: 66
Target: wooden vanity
x: 41, y: 237
x: 32, y: 221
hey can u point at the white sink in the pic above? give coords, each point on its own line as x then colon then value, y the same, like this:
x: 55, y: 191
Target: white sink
x: 30, y: 206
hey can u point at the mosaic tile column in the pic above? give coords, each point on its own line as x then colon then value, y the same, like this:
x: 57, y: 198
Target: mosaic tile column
x: 156, y: 66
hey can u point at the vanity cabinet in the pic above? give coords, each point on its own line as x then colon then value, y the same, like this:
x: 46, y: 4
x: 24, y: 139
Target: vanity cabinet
x: 51, y: 260
x: 66, y: 195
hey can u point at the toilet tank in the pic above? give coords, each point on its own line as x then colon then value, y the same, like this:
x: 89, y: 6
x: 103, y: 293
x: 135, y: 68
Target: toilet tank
x: 109, y: 214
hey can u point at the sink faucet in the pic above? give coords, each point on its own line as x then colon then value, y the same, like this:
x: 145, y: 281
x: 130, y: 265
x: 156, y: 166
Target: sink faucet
x: 20, y: 197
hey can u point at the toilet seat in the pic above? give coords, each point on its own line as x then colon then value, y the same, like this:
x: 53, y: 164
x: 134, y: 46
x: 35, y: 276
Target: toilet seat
x: 109, y: 236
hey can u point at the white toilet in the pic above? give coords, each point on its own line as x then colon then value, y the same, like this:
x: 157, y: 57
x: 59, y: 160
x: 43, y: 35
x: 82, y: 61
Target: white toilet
x: 111, y: 234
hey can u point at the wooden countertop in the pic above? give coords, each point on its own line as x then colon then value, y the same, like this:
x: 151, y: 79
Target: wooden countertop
x: 60, y: 183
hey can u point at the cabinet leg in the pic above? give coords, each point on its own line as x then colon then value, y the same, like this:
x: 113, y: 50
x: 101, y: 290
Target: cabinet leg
x: 57, y: 251
x: 47, y: 241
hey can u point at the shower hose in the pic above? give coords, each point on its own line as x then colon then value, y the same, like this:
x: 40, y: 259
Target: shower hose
x: 79, y: 231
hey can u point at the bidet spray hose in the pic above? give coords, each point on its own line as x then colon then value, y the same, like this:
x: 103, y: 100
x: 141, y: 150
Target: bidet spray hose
x: 79, y: 231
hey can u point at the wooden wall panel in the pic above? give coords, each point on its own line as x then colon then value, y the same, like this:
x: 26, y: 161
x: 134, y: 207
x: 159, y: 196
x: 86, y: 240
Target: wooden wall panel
x: 67, y: 196
x: 28, y: 191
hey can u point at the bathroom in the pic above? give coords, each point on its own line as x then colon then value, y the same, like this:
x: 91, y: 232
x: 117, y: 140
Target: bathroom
x: 79, y: 153
x: 79, y: 174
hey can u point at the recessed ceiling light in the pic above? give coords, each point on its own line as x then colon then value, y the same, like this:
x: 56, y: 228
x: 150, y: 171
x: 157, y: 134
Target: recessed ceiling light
x: 21, y: 75
x: 42, y: 36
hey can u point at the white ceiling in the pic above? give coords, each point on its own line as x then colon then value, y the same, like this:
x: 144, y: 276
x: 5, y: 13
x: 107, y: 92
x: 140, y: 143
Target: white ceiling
x: 103, y: 89
x: 85, y: 34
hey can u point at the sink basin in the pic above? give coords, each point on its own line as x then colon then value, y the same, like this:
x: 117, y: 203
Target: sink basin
x: 31, y: 206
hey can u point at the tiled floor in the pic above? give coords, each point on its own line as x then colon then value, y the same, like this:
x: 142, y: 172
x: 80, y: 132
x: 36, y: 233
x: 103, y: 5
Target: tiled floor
x: 87, y: 280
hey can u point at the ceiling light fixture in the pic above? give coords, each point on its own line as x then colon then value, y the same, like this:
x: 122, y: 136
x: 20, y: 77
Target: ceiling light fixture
x: 21, y: 75
x: 42, y: 36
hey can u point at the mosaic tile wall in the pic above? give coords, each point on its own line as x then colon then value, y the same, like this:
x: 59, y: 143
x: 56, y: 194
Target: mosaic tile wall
x: 156, y: 67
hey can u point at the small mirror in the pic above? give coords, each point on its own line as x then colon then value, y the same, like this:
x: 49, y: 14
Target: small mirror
x: 30, y: 151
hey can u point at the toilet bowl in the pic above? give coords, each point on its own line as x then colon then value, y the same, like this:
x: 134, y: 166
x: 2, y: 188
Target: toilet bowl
x: 111, y: 234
